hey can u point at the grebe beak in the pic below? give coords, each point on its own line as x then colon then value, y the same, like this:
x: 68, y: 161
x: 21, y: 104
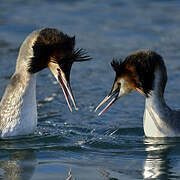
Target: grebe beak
x: 113, y: 94
x: 63, y: 79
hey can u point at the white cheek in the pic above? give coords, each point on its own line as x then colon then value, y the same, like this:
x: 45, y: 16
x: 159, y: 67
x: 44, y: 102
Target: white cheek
x: 125, y: 88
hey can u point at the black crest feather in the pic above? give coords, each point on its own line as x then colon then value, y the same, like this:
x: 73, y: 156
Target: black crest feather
x: 52, y: 42
x: 145, y: 63
x: 48, y: 41
x: 116, y: 64
x: 80, y: 54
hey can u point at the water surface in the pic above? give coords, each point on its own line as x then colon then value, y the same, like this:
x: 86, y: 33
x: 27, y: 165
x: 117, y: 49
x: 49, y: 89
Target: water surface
x: 110, y: 147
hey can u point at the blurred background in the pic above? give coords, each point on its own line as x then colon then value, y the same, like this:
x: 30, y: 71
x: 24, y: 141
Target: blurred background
x: 110, y: 147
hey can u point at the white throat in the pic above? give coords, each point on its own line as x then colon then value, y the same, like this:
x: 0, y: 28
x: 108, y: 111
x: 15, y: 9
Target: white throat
x: 157, y: 121
x: 18, y: 110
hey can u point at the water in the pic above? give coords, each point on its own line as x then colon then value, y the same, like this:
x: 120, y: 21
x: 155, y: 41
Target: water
x: 110, y: 147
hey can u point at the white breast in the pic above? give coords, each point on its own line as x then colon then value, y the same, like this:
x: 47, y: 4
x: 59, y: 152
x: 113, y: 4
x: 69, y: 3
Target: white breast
x: 19, y: 112
x: 155, y: 126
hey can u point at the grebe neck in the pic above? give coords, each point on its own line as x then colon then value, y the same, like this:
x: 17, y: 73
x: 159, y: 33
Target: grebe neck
x: 156, y: 123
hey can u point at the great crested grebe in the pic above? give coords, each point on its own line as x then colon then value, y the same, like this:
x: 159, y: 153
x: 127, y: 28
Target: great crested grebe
x: 145, y: 72
x: 43, y: 48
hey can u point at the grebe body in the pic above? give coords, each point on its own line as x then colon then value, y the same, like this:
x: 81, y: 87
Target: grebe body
x: 43, y: 48
x: 145, y: 72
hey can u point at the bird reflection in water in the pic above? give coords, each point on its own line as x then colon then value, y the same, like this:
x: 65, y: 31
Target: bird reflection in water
x: 19, y: 164
x: 157, y: 164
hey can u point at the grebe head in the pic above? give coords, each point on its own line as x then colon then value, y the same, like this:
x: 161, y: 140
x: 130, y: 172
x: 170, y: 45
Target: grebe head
x: 53, y: 49
x: 143, y: 71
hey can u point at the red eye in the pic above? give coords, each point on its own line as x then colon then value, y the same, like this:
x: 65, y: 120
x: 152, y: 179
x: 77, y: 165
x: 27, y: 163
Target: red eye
x: 119, y: 84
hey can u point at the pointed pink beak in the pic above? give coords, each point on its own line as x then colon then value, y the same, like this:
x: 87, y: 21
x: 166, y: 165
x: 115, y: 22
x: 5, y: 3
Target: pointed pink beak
x: 107, y: 98
x: 61, y: 78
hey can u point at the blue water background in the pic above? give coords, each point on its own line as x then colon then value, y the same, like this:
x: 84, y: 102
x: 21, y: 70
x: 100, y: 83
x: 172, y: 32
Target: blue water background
x: 110, y: 147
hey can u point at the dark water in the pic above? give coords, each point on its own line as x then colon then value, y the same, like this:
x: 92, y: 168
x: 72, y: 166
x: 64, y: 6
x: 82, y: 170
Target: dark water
x: 110, y: 147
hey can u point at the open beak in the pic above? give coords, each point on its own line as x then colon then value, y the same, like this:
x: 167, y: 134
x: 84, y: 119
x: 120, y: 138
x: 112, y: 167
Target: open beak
x: 114, y: 94
x: 63, y: 80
